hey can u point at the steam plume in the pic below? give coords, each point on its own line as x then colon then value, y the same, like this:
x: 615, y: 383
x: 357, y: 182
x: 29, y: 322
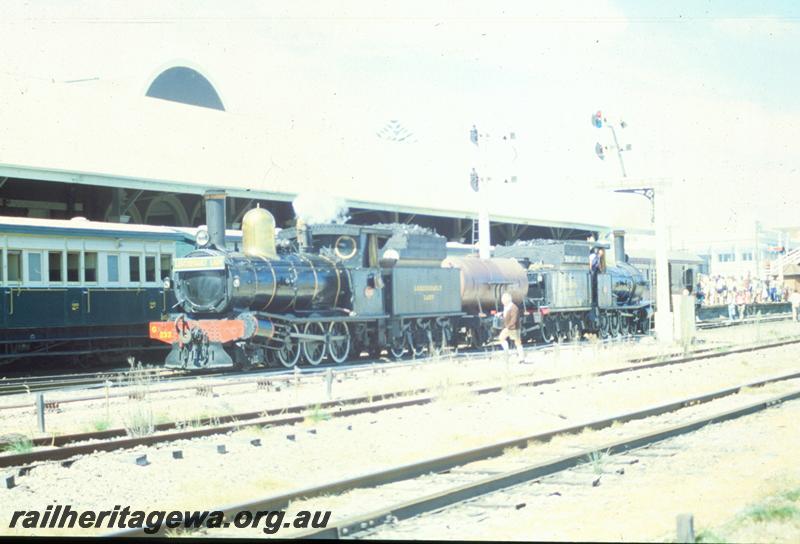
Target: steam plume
x: 318, y: 207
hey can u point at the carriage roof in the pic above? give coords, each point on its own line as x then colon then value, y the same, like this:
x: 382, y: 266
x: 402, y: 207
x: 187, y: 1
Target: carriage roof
x: 98, y: 229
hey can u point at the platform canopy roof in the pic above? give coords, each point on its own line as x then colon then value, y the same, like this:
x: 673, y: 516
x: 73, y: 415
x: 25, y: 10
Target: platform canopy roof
x: 301, y: 114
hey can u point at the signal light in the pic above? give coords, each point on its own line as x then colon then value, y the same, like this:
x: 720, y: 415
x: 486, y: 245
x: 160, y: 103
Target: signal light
x: 598, y: 149
x: 597, y: 119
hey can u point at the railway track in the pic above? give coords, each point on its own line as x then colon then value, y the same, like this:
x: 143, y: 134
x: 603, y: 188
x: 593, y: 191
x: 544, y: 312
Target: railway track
x: 269, y: 377
x: 117, y: 378
x: 121, y: 377
x: 276, y: 378
x: 470, y: 484
x: 64, y: 447
x: 467, y: 485
x: 39, y: 384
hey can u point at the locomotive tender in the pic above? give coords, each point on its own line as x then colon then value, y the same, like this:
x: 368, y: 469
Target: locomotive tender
x: 339, y: 290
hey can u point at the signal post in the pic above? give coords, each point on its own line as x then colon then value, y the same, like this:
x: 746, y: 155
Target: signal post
x: 655, y: 193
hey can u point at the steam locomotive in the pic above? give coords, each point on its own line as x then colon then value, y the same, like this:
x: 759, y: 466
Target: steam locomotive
x: 339, y: 290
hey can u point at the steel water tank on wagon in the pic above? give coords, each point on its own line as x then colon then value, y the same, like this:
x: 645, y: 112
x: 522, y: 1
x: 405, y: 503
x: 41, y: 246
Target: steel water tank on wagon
x: 484, y: 280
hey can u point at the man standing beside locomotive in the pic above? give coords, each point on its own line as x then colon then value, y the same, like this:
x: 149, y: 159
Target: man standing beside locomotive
x: 510, y: 327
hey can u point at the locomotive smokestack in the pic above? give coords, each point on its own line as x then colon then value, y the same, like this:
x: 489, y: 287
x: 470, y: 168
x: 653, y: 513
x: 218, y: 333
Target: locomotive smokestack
x: 215, y: 217
x: 619, y: 246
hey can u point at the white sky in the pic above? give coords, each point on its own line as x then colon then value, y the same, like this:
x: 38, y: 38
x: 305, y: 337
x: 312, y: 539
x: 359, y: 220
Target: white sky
x: 329, y: 75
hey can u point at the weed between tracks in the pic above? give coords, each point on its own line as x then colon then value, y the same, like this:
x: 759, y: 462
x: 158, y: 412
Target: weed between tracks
x: 598, y: 460
x: 101, y: 425
x: 20, y: 444
x: 315, y: 415
x: 139, y: 420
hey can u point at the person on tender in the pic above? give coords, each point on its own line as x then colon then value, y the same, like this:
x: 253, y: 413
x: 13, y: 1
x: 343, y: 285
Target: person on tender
x: 510, y: 326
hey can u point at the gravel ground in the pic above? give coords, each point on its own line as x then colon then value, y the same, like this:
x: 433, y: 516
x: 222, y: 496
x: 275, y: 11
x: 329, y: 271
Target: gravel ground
x: 120, y: 412
x: 320, y: 451
x: 188, y: 405
x: 714, y: 473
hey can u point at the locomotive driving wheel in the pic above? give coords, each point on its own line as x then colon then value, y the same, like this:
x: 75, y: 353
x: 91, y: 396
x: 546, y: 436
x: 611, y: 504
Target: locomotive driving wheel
x: 614, y: 319
x: 314, y: 350
x: 624, y: 325
x: 397, y: 349
x: 418, y: 339
x: 603, y: 329
x: 546, y: 331
x: 289, y: 352
x: 338, y: 341
x: 644, y: 323
x: 434, y: 334
x: 563, y: 333
x: 472, y: 337
x: 574, y: 332
x: 444, y: 335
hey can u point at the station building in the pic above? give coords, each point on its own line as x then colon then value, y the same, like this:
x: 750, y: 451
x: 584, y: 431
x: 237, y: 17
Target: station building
x: 765, y: 253
x: 104, y: 152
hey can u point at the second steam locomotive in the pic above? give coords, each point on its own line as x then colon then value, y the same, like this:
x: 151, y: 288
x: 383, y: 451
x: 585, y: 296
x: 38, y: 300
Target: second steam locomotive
x: 339, y: 290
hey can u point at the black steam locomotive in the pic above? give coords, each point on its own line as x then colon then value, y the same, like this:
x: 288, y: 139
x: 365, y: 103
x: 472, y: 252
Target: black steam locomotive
x: 338, y: 291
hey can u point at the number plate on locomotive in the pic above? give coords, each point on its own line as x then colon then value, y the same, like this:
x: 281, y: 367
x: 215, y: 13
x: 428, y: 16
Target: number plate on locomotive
x: 200, y: 263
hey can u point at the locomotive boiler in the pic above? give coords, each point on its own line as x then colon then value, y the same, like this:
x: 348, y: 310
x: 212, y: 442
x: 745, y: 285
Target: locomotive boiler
x: 228, y: 297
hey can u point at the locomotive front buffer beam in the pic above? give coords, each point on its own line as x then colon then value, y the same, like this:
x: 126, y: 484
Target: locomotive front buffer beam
x: 208, y: 343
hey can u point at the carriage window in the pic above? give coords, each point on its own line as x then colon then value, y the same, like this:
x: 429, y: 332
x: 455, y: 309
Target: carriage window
x: 166, y: 266
x: 136, y: 273
x: 73, y: 266
x: 112, y: 264
x: 149, y: 268
x: 55, y: 272
x: 34, y: 267
x: 90, y: 266
x: 14, y: 265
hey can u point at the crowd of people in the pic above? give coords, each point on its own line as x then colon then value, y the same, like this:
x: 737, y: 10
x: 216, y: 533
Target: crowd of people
x: 721, y: 290
x: 738, y: 293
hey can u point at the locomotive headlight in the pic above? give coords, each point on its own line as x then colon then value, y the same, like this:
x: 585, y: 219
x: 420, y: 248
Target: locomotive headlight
x: 202, y: 238
x: 236, y: 282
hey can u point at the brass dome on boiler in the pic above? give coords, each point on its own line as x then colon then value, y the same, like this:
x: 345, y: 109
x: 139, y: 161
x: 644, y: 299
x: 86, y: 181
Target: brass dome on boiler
x: 258, y: 234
